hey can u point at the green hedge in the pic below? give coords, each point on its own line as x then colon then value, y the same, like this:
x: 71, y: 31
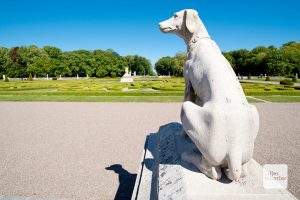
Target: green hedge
x: 286, y: 82
x: 281, y: 92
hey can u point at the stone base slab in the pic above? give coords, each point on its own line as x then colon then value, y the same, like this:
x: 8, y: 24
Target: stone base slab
x: 163, y: 175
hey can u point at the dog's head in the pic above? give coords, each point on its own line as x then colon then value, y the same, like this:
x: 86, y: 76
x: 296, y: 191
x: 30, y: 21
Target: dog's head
x: 183, y: 23
x: 180, y: 22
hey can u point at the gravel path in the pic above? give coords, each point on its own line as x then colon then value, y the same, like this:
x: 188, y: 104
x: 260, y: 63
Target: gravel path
x: 84, y: 150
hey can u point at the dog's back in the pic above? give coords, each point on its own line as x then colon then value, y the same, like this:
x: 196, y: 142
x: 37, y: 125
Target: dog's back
x: 211, y: 76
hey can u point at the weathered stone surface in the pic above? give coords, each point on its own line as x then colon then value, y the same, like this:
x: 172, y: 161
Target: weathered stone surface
x: 215, y: 113
x: 164, y: 175
x: 126, y: 78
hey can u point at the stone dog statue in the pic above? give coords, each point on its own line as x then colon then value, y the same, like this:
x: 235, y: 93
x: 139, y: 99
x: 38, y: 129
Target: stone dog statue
x: 215, y: 113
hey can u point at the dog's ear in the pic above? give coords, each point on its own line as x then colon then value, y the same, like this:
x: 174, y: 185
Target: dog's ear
x: 191, y: 20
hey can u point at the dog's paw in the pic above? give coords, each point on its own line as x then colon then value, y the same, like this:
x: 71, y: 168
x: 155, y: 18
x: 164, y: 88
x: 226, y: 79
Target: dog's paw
x: 215, y: 173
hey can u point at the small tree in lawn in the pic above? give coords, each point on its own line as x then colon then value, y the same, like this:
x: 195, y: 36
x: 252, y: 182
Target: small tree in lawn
x: 30, y: 77
x: 268, y: 78
x: 6, y: 79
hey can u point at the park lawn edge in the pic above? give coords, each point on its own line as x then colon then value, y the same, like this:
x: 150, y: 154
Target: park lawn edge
x: 149, y: 99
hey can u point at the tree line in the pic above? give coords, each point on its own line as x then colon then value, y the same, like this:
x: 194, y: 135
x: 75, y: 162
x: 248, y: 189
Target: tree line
x: 283, y: 61
x: 20, y: 62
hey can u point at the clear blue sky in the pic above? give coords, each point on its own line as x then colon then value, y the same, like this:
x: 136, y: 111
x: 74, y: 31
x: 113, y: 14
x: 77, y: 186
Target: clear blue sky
x: 131, y: 27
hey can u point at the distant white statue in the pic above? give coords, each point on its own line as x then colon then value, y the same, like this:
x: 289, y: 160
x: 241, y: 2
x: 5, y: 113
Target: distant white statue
x: 126, y: 78
x: 215, y: 113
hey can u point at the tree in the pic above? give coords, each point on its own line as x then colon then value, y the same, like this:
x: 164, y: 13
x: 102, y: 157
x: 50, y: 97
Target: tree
x: 21, y: 61
x: 171, y: 65
x: 140, y: 65
x: 179, y: 61
x: 277, y: 63
x: 229, y: 58
x: 16, y: 63
x: 53, y: 52
x: 38, y: 61
x: 3, y: 60
x: 111, y: 52
x: 292, y: 53
x: 164, y: 66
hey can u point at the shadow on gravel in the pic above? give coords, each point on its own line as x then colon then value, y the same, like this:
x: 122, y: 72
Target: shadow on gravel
x: 126, y: 182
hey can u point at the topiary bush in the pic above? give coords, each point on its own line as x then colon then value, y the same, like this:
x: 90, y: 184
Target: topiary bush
x: 30, y: 77
x: 268, y: 78
x: 6, y: 79
x: 286, y: 82
x: 54, y: 79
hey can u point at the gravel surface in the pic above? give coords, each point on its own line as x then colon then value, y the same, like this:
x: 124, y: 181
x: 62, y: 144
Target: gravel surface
x: 92, y: 150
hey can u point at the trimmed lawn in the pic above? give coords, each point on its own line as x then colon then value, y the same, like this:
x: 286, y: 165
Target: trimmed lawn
x: 275, y: 98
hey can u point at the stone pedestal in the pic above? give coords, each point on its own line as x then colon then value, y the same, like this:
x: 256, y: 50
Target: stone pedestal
x: 163, y: 175
x: 126, y: 80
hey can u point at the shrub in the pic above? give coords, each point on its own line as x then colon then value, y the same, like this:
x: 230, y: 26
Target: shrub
x: 297, y: 87
x: 6, y: 79
x: 276, y: 92
x: 30, y: 77
x: 156, y: 87
x: 286, y: 82
x: 54, y: 78
x: 268, y: 78
x: 285, y: 88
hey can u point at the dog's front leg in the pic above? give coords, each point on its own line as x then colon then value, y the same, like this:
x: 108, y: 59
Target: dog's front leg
x: 189, y: 94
